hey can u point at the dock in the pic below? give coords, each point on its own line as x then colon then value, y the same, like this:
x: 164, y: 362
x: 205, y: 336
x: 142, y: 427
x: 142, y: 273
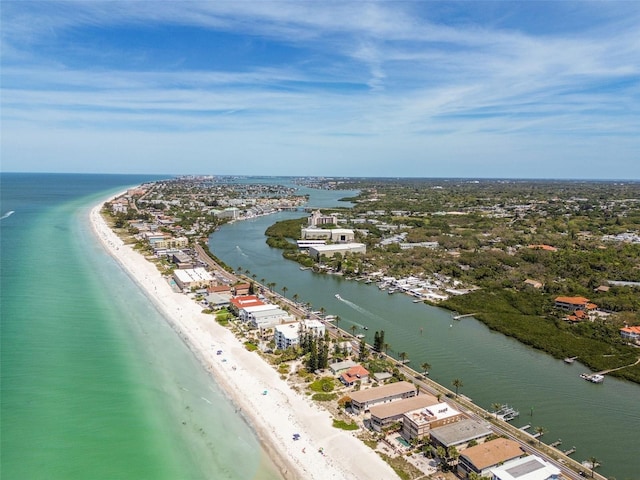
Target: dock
x: 526, y: 427
x: 555, y: 444
x: 570, y: 451
x: 507, y: 413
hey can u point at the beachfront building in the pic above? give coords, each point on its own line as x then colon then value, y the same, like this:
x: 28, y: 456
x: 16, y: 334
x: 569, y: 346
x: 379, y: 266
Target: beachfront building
x: 479, y: 459
x: 459, y: 434
x: 288, y: 335
x: 264, y: 316
x: 387, y: 414
x: 245, y: 301
x: 182, y: 260
x: 355, y: 374
x: 363, y: 400
x: 339, y: 367
x: 526, y: 468
x: 418, y: 423
x: 192, y: 278
x: 316, y: 251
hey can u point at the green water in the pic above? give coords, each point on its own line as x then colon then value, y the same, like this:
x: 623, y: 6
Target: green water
x: 94, y: 382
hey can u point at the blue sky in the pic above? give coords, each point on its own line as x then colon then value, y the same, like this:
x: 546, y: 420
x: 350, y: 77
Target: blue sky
x: 351, y: 88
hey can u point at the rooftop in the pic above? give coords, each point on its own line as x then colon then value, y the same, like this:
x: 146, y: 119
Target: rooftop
x: 389, y: 390
x: 460, y: 432
x: 405, y: 405
x: 492, y: 453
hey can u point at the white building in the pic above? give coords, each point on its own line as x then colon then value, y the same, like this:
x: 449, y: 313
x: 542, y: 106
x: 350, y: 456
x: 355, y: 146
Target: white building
x: 317, y: 251
x: 526, y: 468
x: 187, y: 278
x: 288, y: 334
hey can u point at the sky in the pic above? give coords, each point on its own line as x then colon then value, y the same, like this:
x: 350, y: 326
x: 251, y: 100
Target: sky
x: 499, y: 89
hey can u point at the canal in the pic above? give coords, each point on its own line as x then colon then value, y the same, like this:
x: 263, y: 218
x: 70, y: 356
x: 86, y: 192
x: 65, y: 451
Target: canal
x: 601, y: 421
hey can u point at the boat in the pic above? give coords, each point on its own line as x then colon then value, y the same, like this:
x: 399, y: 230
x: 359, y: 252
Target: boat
x: 338, y: 296
x: 417, y: 300
x: 366, y: 328
x: 507, y: 413
x: 569, y: 360
x: 592, y: 377
x: 360, y: 335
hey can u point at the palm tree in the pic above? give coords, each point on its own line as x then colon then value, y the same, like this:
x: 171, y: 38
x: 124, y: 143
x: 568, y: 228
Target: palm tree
x: 386, y: 347
x: 284, y: 291
x: 295, y: 298
x: 322, y: 310
x: 403, y: 356
x: 539, y: 431
x: 594, y: 463
x: 353, y: 330
x: 425, y: 368
x: 495, y: 407
x: 457, y: 383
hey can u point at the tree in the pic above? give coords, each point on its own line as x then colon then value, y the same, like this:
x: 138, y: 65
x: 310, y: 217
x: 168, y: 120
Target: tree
x: 295, y: 298
x: 362, y: 355
x: 458, y: 384
x: 425, y: 368
x: 496, y: 407
x: 284, y: 291
x: 594, y: 464
x: 403, y: 356
x: 353, y: 330
x: 539, y: 431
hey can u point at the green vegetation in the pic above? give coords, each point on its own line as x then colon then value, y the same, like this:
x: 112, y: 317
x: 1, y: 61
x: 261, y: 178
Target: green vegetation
x: 251, y: 346
x: 324, y: 397
x: 342, y: 425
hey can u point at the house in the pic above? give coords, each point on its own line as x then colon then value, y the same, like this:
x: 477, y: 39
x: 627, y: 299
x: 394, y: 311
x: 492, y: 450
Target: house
x: 418, y: 423
x: 459, y: 434
x: 339, y: 367
x: 182, y: 260
x: 526, y: 468
x: 241, y: 289
x: 363, y: 400
x: 387, y: 414
x: 357, y: 373
x: 571, y: 303
x: 630, y: 333
x: 480, y: 458
x: 217, y: 301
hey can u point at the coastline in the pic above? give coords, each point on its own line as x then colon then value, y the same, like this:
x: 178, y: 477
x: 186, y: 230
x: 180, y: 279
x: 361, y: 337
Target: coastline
x: 244, y: 377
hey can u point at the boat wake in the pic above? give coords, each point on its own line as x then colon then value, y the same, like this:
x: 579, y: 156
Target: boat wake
x: 8, y: 214
x: 241, y: 252
x: 359, y: 309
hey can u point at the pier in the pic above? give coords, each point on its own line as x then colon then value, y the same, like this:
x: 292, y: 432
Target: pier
x: 570, y: 451
x: 458, y: 317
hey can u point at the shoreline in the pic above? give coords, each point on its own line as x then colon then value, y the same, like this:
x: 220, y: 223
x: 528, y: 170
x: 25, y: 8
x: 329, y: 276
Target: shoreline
x: 244, y: 377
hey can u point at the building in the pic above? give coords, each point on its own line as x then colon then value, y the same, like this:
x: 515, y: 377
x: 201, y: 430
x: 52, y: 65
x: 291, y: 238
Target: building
x: 317, y: 218
x: 630, y: 333
x: 355, y: 374
x: 363, y: 400
x: 192, y: 278
x: 387, y: 414
x: 418, y: 423
x: 245, y: 301
x: 459, y: 434
x: 340, y: 367
x: 526, y: 468
x: 480, y: 458
x: 217, y: 301
x: 572, y: 303
x: 264, y: 316
x: 316, y: 251
x: 288, y: 335
x: 336, y: 235
x: 182, y: 260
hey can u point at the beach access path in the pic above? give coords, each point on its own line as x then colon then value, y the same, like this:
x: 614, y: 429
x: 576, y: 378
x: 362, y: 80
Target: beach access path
x: 322, y: 452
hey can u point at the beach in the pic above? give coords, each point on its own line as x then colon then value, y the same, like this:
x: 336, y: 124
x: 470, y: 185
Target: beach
x: 274, y: 410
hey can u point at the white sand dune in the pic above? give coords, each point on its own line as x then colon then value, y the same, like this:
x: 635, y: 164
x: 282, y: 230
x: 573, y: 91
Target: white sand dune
x: 244, y: 376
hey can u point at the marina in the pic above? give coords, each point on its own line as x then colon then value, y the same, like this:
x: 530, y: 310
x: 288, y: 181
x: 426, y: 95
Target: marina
x: 507, y: 413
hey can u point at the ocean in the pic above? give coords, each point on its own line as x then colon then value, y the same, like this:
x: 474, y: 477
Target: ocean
x: 94, y: 382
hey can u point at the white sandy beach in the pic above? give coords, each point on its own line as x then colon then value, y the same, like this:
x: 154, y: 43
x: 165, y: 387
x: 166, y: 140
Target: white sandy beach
x: 244, y: 376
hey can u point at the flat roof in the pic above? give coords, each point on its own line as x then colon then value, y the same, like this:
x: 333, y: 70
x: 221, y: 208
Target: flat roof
x: 424, y: 415
x: 526, y: 468
x: 388, y: 390
x: 336, y: 246
x: 405, y: 405
x: 459, y: 432
x: 260, y: 308
x: 289, y: 331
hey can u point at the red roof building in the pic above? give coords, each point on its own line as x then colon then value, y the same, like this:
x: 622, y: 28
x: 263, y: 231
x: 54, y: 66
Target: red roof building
x: 355, y: 373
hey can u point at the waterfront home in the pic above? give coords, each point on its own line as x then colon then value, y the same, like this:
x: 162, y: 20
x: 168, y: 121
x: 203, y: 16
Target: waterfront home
x: 418, y: 423
x: 480, y: 458
x: 630, y: 333
x: 241, y: 289
x: 329, y: 251
x: 459, y: 434
x: 526, y: 468
x: 244, y: 301
x: 573, y: 303
x: 355, y: 374
x: 363, y: 400
x: 387, y: 414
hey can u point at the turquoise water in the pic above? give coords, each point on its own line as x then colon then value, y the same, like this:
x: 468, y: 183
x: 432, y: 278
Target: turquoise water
x: 94, y: 382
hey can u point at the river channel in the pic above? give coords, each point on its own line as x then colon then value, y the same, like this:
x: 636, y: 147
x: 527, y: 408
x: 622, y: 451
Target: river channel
x: 599, y: 420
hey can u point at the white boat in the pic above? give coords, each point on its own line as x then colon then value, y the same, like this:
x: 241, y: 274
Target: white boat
x: 593, y: 377
x: 338, y: 296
